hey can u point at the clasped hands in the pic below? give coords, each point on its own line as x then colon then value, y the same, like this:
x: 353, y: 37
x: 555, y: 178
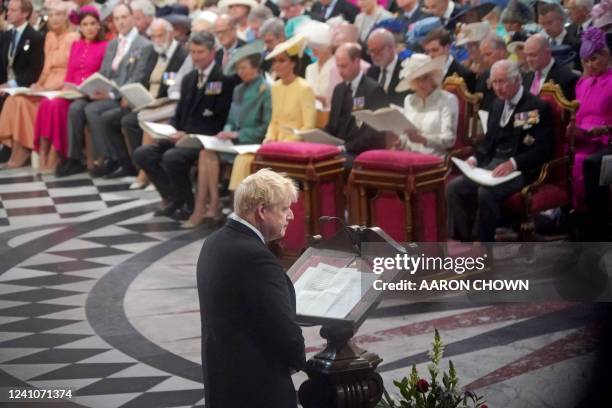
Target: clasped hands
x: 413, y: 135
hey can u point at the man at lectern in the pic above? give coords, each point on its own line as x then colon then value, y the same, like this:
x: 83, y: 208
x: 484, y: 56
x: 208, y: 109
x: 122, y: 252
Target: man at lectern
x: 251, y: 342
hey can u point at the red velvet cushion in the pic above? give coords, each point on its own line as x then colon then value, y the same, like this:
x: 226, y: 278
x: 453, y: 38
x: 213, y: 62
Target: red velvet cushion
x: 548, y: 196
x: 396, y: 160
x: 297, y: 151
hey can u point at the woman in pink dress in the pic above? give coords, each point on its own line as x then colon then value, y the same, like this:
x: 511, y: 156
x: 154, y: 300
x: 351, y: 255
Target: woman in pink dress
x: 86, y: 54
x: 594, y: 129
x: 594, y: 116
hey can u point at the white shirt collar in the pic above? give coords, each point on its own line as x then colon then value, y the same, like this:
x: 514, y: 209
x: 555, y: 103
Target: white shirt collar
x: 546, y: 69
x: 21, y: 28
x: 244, y: 222
x: 131, y: 35
x: 587, y: 24
x: 558, y: 39
x: 207, y: 70
x: 391, y: 66
x: 409, y: 13
x: 355, y: 82
x: 448, y: 63
x: 516, y: 98
x: 171, y: 49
x: 449, y: 10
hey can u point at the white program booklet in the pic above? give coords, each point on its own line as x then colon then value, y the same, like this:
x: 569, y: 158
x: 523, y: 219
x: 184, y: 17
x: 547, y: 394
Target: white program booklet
x: 158, y: 130
x: 482, y: 176
x: 137, y: 95
x: 317, y: 136
x: 96, y: 82
x: 19, y: 90
x: 216, y: 144
x: 389, y: 119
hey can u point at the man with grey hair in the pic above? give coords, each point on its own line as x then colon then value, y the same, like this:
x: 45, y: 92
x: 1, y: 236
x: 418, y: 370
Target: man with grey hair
x: 251, y: 342
x: 206, y: 96
x: 386, y: 64
x: 519, y: 138
x: 579, y: 12
x: 544, y: 68
x: 226, y: 32
x: 166, y: 61
x: 257, y: 17
x: 144, y: 13
x: 492, y: 49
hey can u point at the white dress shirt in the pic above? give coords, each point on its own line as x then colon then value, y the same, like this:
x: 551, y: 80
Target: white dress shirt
x: 436, y: 119
x: 244, y: 222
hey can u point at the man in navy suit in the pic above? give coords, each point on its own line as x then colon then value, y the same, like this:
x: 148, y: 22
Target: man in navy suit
x: 251, y: 343
x: 519, y: 137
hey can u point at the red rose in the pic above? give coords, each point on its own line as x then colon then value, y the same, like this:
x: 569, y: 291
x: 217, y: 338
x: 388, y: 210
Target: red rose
x: 484, y: 406
x: 422, y: 386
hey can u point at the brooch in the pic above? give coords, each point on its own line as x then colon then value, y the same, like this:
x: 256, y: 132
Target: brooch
x: 528, y: 140
x: 358, y: 103
x: 27, y: 45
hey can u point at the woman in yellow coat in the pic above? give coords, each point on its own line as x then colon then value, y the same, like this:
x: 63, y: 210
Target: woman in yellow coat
x: 293, y: 103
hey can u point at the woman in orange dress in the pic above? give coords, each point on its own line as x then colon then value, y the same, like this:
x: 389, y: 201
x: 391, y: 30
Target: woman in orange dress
x: 19, y: 112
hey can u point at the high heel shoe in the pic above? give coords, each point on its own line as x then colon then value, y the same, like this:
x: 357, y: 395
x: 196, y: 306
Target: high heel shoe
x: 138, y: 185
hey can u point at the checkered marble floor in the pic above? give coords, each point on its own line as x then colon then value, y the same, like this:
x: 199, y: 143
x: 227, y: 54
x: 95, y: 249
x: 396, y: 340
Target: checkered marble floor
x: 98, y: 296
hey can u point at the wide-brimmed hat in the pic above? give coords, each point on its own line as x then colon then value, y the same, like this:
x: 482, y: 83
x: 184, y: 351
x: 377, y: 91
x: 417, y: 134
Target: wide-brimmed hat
x: 419, y: 30
x: 316, y: 32
x: 107, y: 9
x: 226, y: 4
x: 482, y: 9
x: 514, y: 46
x: 254, y: 48
x: 293, y: 47
x: 473, y: 32
x: 517, y: 11
x: 602, y: 14
x: 416, y: 66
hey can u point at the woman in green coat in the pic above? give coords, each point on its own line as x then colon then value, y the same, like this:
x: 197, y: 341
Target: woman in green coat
x: 247, y: 123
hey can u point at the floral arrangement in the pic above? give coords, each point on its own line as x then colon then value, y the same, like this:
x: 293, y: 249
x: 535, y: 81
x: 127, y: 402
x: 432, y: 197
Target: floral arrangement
x: 416, y: 392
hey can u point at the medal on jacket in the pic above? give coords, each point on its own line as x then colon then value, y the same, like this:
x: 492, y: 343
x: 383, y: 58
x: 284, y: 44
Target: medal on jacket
x: 169, y: 78
x: 213, y: 88
x: 528, y: 140
x: 27, y: 45
x: 358, y: 103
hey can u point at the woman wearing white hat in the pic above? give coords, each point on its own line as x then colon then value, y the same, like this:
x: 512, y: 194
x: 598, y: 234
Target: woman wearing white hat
x: 433, y: 111
x: 318, y: 73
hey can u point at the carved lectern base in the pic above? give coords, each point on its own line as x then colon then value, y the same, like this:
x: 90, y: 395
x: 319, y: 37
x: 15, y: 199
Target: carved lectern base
x: 341, y: 376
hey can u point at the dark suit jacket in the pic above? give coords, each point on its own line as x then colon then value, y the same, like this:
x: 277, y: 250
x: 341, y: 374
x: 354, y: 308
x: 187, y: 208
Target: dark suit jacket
x: 468, y: 76
x: 561, y: 75
x: 250, y: 338
x: 219, y: 53
x: 393, y: 96
x: 530, y: 147
x: 173, y: 66
x: 342, y: 123
x: 29, y: 56
x: 204, y: 111
x: 488, y: 94
x: 347, y: 10
x: 273, y: 7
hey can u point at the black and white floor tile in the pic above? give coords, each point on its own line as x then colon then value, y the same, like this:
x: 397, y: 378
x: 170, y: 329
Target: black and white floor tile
x: 99, y: 296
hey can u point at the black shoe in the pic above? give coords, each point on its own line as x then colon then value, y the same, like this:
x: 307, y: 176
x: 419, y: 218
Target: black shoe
x: 182, y: 213
x: 168, y: 210
x: 108, y: 167
x: 122, y: 171
x: 5, y: 153
x: 70, y: 167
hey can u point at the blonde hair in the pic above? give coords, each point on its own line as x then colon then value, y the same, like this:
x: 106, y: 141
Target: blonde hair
x: 264, y: 187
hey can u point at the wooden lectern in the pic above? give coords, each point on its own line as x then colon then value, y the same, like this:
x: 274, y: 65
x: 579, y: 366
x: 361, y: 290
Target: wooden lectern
x: 342, y: 375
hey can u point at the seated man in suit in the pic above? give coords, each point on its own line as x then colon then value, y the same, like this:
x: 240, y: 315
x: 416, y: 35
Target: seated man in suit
x: 323, y: 10
x: 126, y: 61
x: 206, y: 96
x: 227, y: 35
x: 579, y: 12
x: 251, y: 343
x: 544, y: 68
x: 386, y: 65
x: 446, y: 10
x: 21, y: 53
x: 21, y: 48
x: 492, y: 49
x: 165, y: 62
x: 519, y: 137
x: 437, y: 43
x: 356, y: 92
x: 410, y: 11
x: 551, y: 18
